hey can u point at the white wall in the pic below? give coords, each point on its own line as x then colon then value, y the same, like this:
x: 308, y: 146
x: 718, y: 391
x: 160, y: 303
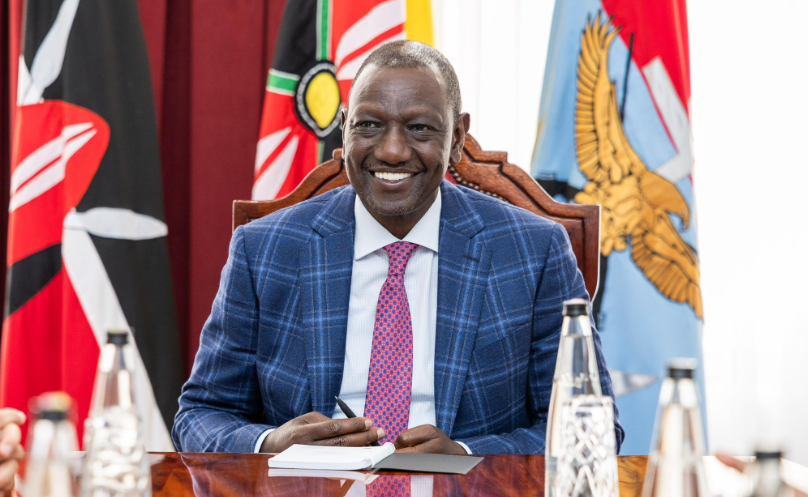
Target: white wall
x: 498, y: 48
x: 750, y: 120
x: 750, y: 111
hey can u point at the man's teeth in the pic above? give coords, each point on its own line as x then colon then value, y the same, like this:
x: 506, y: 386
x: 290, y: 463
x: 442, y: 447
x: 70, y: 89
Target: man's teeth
x: 392, y: 176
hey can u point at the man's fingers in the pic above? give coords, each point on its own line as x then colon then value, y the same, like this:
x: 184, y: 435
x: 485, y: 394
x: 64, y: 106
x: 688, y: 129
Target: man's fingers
x: 416, y: 436
x: 334, y: 428
x: 354, y: 439
x: 427, y: 439
x: 429, y: 446
x: 9, y: 415
x: 409, y: 450
x: 7, y: 471
x: 9, y: 440
x: 374, y: 436
x: 18, y: 454
x: 311, y: 418
x: 730, y: 461
x: 314, y: 428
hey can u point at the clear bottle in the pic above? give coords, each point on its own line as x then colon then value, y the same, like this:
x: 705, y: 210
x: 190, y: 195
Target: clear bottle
x: 576, y: 373
x: 52, y: 445
x: 766, y: 475
x: 116, y: 463
x: 676, y: 465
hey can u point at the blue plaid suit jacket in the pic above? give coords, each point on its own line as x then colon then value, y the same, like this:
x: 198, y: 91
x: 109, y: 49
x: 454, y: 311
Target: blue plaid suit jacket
x: 273, y: 347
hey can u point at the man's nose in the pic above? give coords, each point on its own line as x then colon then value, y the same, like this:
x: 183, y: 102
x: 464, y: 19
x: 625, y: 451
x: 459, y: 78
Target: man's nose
x: 393, y: 148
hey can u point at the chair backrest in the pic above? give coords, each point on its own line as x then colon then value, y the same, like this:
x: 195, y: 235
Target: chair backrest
x: 486, y: 172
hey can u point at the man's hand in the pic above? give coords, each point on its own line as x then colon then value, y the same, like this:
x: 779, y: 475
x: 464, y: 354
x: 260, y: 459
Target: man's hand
x: 740, y: 466
x: 11, y: 452
x: 427, y: 439
x: 316, y: 429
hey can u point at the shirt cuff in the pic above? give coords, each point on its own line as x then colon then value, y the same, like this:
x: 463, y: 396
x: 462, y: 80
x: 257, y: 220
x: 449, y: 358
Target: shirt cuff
x: 263, y: 437
x: 466, y: 447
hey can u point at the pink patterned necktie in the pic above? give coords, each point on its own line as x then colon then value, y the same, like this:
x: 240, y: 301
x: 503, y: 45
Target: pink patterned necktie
x: 390, y: 377
x: 389, y: 486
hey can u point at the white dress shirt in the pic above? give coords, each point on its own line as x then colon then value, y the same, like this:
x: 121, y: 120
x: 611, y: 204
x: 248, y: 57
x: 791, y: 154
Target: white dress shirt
x: 421, y: 284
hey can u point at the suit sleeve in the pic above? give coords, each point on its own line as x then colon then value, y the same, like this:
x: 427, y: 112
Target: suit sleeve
x: 560, y: 280
x: 220, y: 405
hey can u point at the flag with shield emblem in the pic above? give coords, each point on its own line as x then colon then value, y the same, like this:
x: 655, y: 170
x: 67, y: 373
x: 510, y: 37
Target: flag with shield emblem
x: 614, y: 130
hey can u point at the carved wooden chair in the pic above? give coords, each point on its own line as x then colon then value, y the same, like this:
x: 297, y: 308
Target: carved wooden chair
x: 487, y: 172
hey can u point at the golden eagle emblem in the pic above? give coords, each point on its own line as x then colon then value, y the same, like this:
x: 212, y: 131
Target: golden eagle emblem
x: 636, y: 202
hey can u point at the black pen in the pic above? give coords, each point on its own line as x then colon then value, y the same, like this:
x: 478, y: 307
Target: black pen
x: 349, y: 413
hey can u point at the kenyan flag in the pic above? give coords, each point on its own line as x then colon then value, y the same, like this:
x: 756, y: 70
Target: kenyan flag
x: 87, y: 246
x: 320, y: 47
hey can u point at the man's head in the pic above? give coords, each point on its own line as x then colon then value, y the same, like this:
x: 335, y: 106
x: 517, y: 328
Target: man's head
x: 401, y: 130
x: 415, y: 55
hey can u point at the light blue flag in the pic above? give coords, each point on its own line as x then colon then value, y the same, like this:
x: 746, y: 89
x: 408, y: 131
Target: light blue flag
x: 614, y: 129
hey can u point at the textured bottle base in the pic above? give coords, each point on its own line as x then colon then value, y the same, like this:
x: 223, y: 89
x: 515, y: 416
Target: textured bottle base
x: 550, y: 472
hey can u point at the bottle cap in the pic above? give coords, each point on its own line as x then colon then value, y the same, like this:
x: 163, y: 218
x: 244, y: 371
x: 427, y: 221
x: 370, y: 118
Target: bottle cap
x: 768, y: 454
x: 575, y: 307
x: 117, y: 337
x: 682, y: 368
x: 55, y: 416
x: 52, y: 406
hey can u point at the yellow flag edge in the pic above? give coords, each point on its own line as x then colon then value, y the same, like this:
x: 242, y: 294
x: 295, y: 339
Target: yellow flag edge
x: 418, y: 24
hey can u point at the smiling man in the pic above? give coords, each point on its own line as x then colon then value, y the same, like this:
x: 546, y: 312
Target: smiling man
x: 432, y: 310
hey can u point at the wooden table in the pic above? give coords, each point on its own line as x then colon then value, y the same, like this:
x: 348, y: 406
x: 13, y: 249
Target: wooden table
x: 247, y: 474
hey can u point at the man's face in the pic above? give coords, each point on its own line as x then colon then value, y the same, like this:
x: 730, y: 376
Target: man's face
x: 399, y: 136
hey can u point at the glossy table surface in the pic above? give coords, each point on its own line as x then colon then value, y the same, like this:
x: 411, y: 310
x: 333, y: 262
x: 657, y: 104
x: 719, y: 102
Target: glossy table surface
x: 181, y: 474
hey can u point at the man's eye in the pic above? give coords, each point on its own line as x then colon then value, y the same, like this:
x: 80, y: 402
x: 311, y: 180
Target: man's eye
x: 420, y: 127
x: 367, y: 124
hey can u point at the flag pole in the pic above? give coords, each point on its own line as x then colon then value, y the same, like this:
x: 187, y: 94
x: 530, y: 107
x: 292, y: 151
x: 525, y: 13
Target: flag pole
x: 625, y: 77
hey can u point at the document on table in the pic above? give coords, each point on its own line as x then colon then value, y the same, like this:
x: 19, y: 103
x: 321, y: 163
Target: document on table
x: 364, y: 478
x: 365, y: 458
x: 334, y: 458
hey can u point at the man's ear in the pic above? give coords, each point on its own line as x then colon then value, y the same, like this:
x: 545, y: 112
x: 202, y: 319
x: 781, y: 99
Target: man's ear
x: 459, y: 137
x: 343, y: 121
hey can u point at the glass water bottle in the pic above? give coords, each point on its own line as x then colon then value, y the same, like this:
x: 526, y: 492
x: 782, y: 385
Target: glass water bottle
x: 576, y: 373
x: 766, y: 475
x: 52, y: 446
x: 676, y: 465
x: 116, y: 463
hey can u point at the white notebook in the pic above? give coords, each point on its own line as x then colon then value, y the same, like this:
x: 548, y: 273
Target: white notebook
x: 365, y: 478
x: 333, y: 458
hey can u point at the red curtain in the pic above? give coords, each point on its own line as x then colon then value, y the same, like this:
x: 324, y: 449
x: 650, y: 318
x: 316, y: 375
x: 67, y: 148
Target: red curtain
x: 209, y: 62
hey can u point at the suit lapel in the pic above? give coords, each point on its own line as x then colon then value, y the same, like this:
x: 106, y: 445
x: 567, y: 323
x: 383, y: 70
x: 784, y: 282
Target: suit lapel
x: 463, y: 268
x: 325, y: 297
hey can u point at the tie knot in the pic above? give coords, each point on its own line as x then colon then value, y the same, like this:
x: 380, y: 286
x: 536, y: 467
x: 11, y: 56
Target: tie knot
x: 399, y: 254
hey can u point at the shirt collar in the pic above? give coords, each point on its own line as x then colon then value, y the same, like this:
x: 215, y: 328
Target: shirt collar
x: 371, y: 236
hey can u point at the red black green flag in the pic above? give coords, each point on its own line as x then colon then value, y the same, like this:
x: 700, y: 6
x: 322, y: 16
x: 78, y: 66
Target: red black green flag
x: 320, y: 47
x: 87, y: 239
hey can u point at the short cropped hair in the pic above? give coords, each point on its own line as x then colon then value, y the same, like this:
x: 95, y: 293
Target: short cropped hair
x: 413, y: 54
